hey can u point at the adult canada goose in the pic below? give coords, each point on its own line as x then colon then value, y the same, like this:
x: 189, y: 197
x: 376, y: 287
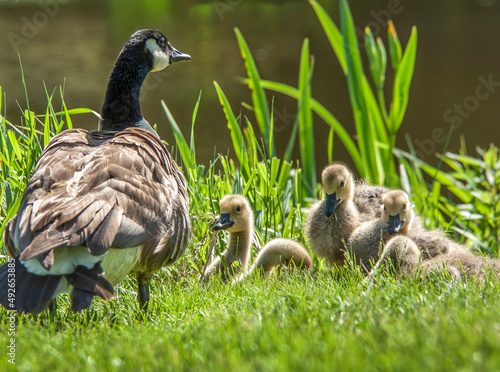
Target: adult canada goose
x: 331, y: 221
x: 396, y: 216
x: 237, y: 218
x: 101, y: 204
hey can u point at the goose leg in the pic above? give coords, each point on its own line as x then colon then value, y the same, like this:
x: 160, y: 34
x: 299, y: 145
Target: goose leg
x: 143, y: 281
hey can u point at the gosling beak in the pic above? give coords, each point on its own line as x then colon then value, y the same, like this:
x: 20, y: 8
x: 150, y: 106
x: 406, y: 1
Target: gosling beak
x: 395, y: 224
x: 331, y: 203
x: 223, y: 222
x: 178, y: 56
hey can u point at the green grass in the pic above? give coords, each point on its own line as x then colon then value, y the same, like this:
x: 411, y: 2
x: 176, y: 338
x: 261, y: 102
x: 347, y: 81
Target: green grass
x: 295, y: 323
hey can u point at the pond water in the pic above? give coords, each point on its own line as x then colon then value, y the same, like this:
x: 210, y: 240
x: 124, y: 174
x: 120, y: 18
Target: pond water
x: 456, y: 80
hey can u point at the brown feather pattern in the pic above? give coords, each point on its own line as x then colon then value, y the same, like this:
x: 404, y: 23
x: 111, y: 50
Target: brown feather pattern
x: 87, y: 184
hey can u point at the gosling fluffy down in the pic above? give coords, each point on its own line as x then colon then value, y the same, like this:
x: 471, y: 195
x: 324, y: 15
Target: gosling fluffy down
x: 237, y: 218
x: 331, y: 221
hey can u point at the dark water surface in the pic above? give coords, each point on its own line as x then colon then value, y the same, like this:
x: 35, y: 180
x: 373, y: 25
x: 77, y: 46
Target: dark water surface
x: 456, y: 80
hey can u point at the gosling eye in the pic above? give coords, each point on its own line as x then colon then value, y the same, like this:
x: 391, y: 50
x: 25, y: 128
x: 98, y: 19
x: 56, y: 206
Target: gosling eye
x: 162, y: 42
x: 342, y: 184
x: 404, y: 206
x: 238, y: 209
x: 385, y: 208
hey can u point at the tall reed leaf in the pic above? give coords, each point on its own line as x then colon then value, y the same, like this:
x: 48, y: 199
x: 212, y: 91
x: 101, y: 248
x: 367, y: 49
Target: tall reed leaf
x: 260, y: 105
x: 306, y: 137
x: 402, y: 81
x: 47, y: 135
x: 357, y: 89
x: 395, y: 49
x: 332, y: 33
x: 232, y: 124
x: 324, y: 114
x: 179, y: 138
x: 195, y: 113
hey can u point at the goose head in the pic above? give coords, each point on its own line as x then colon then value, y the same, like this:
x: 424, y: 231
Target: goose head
x: 397, y: 211
x: 149, y: 49
x: 337, y: 185
x: 155, y: 48
x: 145, y: 51
x: 235, y: 214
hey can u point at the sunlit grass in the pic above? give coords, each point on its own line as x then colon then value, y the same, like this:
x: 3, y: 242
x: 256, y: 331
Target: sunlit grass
x: 295, y: 323
x: 298, y: 321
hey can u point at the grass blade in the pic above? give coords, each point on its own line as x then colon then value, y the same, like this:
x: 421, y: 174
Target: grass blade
x: 261, y: 108
x: 402, y: 81
x: 327, y: 116
x: 179, y: 138
x: 232, y: 124
x: 306, y: 132
x: 332, y: 33
x: 15, y: 145
x: 191, y: 140
x: 356, y: 84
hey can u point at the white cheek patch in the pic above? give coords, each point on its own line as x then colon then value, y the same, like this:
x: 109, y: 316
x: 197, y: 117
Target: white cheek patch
x: 160, y: 58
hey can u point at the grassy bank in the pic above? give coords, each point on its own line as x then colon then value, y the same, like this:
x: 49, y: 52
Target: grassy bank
x: 295, y: 323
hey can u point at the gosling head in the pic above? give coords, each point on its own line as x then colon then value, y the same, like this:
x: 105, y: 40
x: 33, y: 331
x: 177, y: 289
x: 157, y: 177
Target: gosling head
x: 338, y: 186
x: 397, y: 211
x: 235, y: 214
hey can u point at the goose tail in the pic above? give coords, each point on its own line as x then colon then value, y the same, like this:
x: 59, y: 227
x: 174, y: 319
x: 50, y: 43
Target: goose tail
x: 88, y: 283
x: 25, y: 292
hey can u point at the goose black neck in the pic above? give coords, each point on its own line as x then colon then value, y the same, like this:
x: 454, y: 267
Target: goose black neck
x: 121, y: 107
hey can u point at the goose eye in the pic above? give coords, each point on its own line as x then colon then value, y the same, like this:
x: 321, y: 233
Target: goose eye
x: 161, y: 42
x: 238, y: 209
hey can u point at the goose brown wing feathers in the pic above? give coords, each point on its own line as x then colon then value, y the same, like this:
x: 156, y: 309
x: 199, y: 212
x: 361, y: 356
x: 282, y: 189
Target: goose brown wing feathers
x: 102, y: 190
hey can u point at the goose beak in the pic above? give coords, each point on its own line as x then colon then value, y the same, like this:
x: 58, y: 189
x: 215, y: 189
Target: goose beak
x: 224, y: 222
x: 395, y: 224
x: 331, y: 203
x: 178, y: 56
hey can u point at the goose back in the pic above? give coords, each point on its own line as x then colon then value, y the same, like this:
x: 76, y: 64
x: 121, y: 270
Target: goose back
x: 433, y: 243
x: 462, y: 263
x: 281, y: 251
x: 102, y: 190
x: 402, y: 254
x: 368, y: 199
